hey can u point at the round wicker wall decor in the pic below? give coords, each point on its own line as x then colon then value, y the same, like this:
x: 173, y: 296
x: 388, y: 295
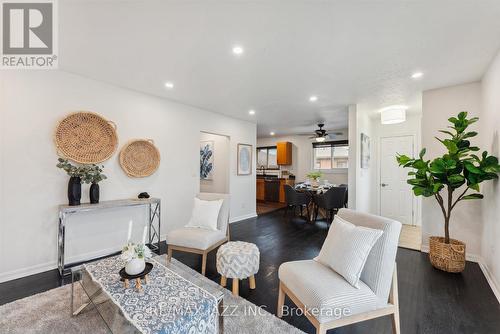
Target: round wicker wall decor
x: 140, y: 158
x: 86, y: 137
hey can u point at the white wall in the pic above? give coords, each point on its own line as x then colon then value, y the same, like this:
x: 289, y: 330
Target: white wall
x: 437, y: 106
x: 302, y: 155
x: 490, y: 141
x: 32, y: 187
x: 411, y: 127
x: 365, y: 199
x: 220, y: 175
x: 353, y: 157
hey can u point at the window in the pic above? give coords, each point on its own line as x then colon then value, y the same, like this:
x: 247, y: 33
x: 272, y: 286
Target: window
x: 267, y: 157
x: 331, y: 155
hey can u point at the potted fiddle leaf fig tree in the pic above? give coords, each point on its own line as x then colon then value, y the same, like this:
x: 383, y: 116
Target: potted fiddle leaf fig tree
x: 458, y: 174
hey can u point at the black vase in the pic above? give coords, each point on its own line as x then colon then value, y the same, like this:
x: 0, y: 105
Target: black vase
x: 74, y: 190
x: 94, y: 193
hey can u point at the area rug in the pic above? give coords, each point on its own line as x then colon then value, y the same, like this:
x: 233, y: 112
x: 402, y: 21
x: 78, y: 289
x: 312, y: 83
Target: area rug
x: 50, y: 312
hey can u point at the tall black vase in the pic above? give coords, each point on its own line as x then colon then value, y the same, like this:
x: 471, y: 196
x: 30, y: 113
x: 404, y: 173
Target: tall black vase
x: 74, y: 190
x: 94, y: 193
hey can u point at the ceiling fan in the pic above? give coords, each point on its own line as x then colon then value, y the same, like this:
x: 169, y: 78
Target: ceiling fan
x: 321, y: 135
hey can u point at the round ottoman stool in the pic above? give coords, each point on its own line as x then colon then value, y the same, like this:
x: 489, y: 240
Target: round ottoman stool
x: 238, y: 260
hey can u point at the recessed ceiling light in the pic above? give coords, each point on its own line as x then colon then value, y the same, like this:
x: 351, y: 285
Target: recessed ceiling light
x: 272, y: 133
x: 417, y: 75
x: 169, y: 85
x: 251, y: 112
x: 313, y: 98
x: 238, y: 50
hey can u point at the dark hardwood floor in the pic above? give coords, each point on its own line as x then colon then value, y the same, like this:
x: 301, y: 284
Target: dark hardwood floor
x: 431, y: 301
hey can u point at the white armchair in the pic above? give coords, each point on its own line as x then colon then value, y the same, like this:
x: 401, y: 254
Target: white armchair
x: 198, y: 240
x: 323, y: 295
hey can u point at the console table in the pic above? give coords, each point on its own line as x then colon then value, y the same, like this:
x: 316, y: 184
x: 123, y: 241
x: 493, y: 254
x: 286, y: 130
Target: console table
x: 154, y: 222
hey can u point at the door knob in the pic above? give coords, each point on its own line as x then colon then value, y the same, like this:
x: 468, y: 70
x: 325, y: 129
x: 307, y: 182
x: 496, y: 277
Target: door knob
x: 384, y: 184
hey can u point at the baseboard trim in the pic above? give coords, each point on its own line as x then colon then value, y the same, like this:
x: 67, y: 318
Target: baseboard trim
x: 27, y: 271
x: 40, y: 268
x: 490, y: 278
x: 495, y: 287
x: 239, y: 218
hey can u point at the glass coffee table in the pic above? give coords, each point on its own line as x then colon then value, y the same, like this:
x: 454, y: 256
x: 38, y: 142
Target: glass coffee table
x: 113, y: 318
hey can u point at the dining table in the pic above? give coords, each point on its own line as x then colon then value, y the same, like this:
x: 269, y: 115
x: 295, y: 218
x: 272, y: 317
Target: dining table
x: 314, y: 191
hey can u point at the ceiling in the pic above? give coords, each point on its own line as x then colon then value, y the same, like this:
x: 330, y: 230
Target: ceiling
x: 344, y: 52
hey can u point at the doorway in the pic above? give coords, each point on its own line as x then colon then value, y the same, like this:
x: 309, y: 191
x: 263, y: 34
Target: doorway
x: 214, y: 163
x: 396, y: 197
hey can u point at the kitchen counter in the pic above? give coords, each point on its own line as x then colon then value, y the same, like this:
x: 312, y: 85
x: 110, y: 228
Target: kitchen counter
x: 274, y: 177
x: 270, y: 188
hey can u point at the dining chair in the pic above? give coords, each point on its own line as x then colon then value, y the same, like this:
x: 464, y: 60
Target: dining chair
x: 199, y: 240
x: 346, y: 193
x: 331, y: 201
x: 295, y: 199
x: 320, y: 293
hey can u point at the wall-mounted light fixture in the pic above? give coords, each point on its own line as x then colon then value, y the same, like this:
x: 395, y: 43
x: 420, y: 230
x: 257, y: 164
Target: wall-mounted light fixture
x: 393, y: 114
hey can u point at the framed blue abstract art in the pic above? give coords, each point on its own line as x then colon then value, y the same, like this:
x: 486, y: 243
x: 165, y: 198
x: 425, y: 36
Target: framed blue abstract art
x: 244, y: 159
x: 206, y: 160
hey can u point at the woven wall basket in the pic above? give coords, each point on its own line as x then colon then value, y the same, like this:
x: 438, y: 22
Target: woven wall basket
x: 86, y: 137
x: 140, y: 158
x: 447, y: 257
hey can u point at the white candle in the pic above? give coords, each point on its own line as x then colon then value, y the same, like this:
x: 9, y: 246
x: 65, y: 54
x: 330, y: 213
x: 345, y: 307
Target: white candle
x: 129, y: 235
x: 144, y: 235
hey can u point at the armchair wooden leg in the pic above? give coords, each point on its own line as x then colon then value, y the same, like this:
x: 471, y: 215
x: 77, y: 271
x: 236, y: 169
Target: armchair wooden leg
x: 281, y: 302
x: 169, y: 254
x: 394, y: 300
x: 223, y: 281
x: 320, y: 330
x: 395, y: 323
x: 203, y: 263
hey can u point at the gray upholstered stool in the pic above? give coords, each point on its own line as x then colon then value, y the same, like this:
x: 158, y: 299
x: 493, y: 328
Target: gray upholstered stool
x: 238, y: 260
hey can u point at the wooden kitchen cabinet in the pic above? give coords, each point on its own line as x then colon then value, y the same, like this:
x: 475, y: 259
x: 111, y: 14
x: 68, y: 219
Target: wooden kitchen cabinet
x: 284, y: 154
x: 261, y: 190
x: 282, y: 188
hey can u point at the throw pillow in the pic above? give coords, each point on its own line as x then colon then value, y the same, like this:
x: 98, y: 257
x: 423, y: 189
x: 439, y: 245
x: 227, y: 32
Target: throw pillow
x: 346, y: 249
x: 205, y: 214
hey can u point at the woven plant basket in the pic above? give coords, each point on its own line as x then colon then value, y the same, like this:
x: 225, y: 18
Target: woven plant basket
x: 140, y: 158
x: 86, y: 137
x: 447, y: 257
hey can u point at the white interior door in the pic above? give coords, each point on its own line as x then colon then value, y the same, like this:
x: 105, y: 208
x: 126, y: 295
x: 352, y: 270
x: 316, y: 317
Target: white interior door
x: 396, y: 197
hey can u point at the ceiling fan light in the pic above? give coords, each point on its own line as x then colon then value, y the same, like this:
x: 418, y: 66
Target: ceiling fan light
x: 320, y: 139
x: 393, y: 115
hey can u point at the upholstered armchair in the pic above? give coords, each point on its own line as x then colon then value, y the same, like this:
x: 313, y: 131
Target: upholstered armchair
x: 313, y: 286
x: 199, y: 240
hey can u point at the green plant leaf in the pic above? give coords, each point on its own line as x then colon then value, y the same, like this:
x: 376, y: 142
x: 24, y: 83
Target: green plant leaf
x: 469, y: 135
x: 473, y: 120
x: 471, y: 168
x: 447, y: 132
x: 473, y: 196
x: 474, y: 186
